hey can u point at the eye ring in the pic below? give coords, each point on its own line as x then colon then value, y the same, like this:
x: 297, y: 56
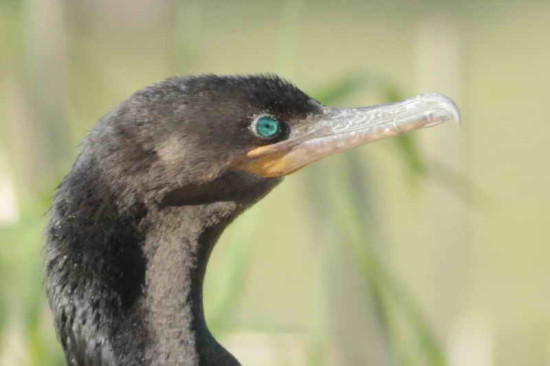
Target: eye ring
x: 267, y: 127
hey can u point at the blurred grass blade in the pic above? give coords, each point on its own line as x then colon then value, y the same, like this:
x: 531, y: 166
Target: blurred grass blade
x: 342, y: 89
x: 386, y: 291
x: 354, y: 217
x: 230, y: 280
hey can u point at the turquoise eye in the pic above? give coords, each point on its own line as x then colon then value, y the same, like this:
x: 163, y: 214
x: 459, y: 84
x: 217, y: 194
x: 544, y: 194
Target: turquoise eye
x: 267, y: 127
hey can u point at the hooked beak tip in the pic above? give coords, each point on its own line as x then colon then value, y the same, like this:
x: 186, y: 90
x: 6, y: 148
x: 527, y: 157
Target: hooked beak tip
x: 446, y: 109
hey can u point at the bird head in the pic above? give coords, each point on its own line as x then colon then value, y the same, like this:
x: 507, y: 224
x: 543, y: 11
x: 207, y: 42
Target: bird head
x: 190, y: 140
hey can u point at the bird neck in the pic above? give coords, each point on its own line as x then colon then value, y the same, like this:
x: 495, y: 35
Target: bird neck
x: 177, y: 248
x: 124, y: 274
x: 125, y: 286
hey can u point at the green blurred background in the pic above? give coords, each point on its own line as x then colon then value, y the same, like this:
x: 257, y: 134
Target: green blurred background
x: 430, y: 249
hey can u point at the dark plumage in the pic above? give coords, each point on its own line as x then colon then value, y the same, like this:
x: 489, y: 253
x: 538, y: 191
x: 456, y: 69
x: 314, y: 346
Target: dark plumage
x: 158, y: 179
x: 154, y: 170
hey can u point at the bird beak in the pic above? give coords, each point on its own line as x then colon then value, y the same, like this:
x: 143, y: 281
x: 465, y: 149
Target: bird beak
x: 338, y: 129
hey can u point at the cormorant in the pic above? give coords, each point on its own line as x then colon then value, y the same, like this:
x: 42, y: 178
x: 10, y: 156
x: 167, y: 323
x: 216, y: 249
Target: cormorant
x: 157, y: 181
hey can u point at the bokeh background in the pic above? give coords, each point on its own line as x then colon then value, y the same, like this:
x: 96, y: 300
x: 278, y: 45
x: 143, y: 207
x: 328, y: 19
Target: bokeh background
x: 429, y: 249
